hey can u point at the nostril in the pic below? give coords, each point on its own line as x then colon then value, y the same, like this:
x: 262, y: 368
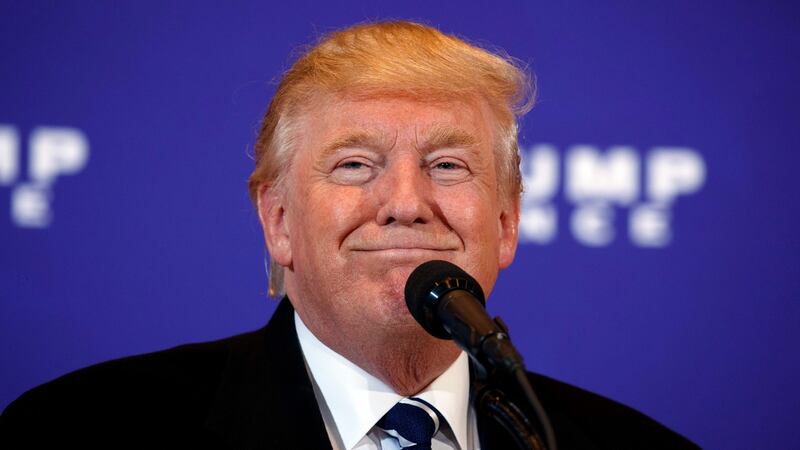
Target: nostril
x: 403, y: 200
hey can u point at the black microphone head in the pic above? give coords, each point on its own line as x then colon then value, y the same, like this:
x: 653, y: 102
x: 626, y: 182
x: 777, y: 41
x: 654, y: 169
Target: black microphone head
x: 428, y: 283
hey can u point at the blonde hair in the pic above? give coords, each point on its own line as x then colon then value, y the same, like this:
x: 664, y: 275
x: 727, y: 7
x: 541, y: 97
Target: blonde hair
x: 400, y: 59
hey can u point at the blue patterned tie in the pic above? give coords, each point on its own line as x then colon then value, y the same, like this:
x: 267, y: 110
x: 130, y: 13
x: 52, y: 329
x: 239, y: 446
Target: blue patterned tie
x: 413, y: 422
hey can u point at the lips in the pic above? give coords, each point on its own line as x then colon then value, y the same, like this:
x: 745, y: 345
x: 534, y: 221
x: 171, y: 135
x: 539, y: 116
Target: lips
x: 400, y: 239
x: 389, y: 246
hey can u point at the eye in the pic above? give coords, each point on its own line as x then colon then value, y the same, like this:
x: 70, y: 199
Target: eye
x: 449, y: 171
x: 351, y: 165
x: 447, y: 165
x: 352, y: 171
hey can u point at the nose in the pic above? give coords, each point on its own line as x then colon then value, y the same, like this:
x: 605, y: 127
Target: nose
x: 404, y: 193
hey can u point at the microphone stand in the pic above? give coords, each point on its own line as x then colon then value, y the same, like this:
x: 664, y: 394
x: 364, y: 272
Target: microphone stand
x: 494, y: 403
x: 489, y: 397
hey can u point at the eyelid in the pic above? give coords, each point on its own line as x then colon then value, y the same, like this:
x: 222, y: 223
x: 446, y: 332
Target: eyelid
x: 354, y: 159
x: 352, y: 176
x: 459, y: 162
x: 460, y: 171
x: 352, y: 154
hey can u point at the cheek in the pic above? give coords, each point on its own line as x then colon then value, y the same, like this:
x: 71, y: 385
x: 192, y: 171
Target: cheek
x: 476, y: 221
x: 347, y: 209
x: 327, y: 215
x: 473, y: 218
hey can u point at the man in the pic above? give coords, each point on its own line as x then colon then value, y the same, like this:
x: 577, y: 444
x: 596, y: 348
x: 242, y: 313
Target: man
x: 386, y: 145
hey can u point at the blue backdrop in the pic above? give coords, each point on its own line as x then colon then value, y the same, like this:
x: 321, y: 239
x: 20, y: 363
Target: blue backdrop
x: 660, y: 262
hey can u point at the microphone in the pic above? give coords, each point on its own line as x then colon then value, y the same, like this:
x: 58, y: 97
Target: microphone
x: 450, y: 304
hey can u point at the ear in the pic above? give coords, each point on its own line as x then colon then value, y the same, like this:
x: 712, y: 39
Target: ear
x: 272, y: 213
x: 509, y: 232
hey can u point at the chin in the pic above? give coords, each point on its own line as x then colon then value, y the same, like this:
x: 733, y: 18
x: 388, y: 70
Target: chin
x: 390, y: 309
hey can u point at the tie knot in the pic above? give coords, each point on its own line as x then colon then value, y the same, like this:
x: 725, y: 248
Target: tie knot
x: 413, y: 422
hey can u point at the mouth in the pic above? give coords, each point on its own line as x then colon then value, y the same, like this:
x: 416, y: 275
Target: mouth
x: 382, y: 248
x: 402, y: 243
x: 403, y: 252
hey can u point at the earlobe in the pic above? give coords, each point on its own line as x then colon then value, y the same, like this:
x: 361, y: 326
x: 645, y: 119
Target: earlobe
x: 509, y: 233
x: 272, y: 214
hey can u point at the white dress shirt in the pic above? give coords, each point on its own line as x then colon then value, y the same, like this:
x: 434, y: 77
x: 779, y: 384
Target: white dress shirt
x: 352, y: 401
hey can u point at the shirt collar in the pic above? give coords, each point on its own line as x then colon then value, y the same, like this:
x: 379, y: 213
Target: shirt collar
x: 357, y: 400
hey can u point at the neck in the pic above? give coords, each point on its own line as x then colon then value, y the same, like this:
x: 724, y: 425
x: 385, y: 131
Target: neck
x: 411, y: 365
x: 407, y: 359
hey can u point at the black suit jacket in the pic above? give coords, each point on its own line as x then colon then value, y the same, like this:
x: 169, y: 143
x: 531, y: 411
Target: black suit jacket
x: 253, y: 391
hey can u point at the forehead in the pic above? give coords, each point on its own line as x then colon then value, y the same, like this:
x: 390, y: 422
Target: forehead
x: 391, y: 118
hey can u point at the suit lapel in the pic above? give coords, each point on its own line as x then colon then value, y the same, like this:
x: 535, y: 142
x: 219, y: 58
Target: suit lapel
x: 265, y: 398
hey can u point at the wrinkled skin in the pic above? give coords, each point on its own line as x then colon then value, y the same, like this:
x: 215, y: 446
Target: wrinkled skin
x: 376, y: 187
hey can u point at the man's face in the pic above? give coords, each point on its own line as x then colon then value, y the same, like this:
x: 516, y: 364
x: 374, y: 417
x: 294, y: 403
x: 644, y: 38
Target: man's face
x: 376, y: 187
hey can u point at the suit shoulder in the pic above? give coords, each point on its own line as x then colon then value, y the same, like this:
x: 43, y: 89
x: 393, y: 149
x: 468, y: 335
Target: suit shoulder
x: 179, y: 382
x: 602, y: 421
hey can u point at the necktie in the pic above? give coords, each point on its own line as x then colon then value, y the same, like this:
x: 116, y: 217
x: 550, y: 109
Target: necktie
x: 413, y: 422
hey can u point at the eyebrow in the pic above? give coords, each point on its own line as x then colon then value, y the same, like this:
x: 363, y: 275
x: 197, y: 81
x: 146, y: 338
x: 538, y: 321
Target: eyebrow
x: 443, y: 136
x: 435, y: 137
x: 361, y: 138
